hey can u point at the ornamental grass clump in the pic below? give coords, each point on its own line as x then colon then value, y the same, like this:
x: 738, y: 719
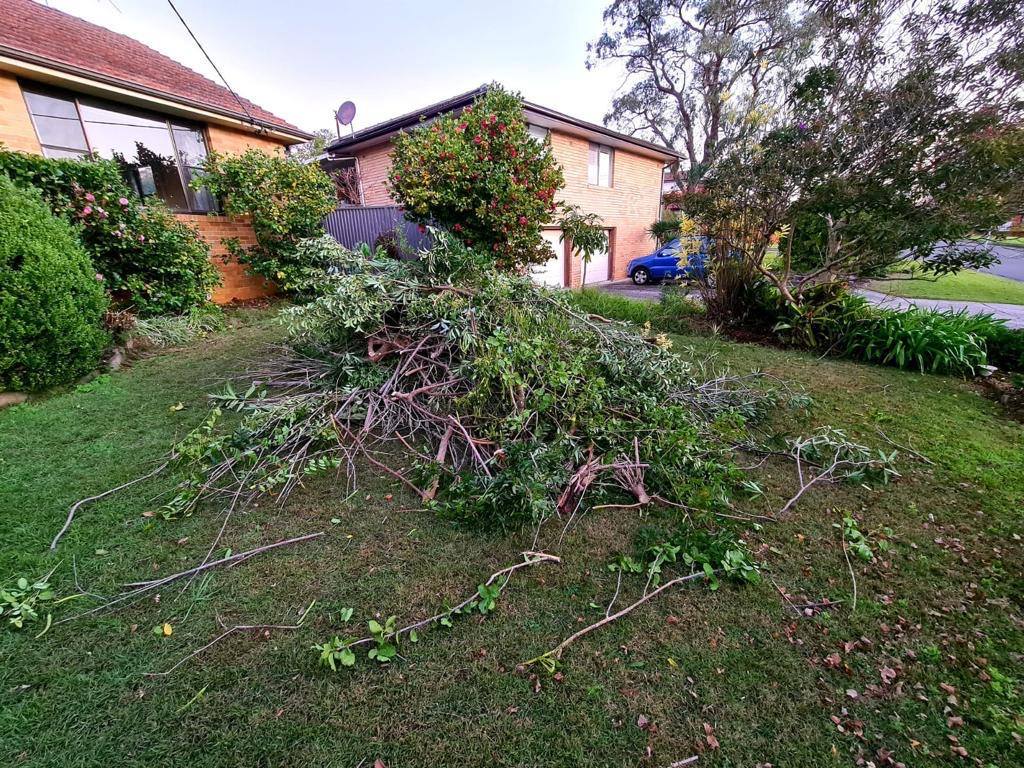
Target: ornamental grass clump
x: 493, y: 399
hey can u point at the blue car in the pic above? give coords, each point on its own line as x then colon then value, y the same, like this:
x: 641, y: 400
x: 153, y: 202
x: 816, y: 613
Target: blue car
x: 668, y: 263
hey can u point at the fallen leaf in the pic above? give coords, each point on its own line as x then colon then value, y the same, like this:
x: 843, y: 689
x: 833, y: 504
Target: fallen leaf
x: 178, y: 407
x: 833, y: 660
x: 888, y: 674
x: 709, y: 733
x: 642, y: 722
x: 852, y: 693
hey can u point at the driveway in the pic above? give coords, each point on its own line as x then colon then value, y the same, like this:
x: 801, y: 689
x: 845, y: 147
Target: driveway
x: 627, y: 289
x: 1013, y: 314
x: 1011, y: 260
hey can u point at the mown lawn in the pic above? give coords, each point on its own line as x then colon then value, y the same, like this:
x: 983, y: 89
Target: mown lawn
x: 929, y: 662
x: 967, y: 285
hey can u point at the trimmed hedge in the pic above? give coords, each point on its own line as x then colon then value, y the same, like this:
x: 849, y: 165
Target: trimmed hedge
x: 149, y: 260
x: 51, y: 303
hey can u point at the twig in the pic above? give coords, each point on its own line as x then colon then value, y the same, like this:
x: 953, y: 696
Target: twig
x: 532, y: 558
x: 556, y: 652
x: 853, y: 578
x: 231, y: 631
x: 687, y: 761
x: 78, y: 504
x: 904, y: 448
x: 142, y: 587
x: 224, y: 560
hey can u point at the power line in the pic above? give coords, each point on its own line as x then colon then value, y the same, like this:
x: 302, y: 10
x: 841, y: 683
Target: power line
x: 215, y: 67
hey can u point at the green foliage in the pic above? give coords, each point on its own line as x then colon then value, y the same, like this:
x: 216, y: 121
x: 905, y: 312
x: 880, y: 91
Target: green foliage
x: 178, y: 330
x: 669, y: 315
x: 480, y: 175
x: 584, y: 231
x: 25, y: 600
x: 926, y: 340
x: 149, y: 260
x: 666, y: 229
x: 383, y: 636
x: 286, y: 202
x: 51, y: 302
x: 699, y: 550
x: 538, y: 385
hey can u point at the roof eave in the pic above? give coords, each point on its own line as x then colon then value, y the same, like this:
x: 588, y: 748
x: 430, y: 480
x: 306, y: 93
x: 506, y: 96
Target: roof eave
x: 377, y: 133
x: 61, y: 73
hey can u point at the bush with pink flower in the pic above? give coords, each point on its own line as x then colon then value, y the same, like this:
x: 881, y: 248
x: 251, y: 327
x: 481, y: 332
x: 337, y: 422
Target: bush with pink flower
x: 151, y: 262
x: 481, y: 175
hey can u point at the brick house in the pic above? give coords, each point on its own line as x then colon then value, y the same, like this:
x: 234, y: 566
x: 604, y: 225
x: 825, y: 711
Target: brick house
x: 616, y: 176
x: 69, y: 88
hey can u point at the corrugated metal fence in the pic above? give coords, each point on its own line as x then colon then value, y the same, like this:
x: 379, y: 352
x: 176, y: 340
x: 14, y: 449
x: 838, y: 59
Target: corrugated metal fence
x: 352, y: 225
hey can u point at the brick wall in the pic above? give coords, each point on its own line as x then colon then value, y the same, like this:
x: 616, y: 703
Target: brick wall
x: 627, y: 208
x: 16, y: 129
x: 237, y: 284
x: 374, y: 166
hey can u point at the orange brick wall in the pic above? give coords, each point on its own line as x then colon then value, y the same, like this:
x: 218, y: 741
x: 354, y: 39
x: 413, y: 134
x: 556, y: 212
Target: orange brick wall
x: 627, y: 208
x: 16, y: 129
x: 374, y: 166
x: 237, y: 284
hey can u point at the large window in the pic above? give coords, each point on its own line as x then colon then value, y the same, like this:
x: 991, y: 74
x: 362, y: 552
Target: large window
x: 158, y: 156
x: 599, y: 165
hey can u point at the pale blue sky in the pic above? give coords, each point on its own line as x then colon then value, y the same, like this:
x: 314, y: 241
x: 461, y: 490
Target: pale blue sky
x: 301, y: 58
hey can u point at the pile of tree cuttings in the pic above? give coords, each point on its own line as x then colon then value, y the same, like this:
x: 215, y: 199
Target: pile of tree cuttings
x: 486, y: 395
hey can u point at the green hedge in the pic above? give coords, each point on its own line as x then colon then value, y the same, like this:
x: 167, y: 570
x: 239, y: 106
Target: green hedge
x: 149, y: 260
x: 51, y: 303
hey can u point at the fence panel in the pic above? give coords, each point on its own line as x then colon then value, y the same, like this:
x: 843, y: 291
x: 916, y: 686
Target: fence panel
x: 351, y: 225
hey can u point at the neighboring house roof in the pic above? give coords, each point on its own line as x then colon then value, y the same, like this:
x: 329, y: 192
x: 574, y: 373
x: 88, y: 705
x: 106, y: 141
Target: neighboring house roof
x: 535, y: 114
x: 36, y: 34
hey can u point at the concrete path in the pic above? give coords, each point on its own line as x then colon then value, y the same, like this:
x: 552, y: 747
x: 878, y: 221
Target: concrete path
x: 1013, y: 314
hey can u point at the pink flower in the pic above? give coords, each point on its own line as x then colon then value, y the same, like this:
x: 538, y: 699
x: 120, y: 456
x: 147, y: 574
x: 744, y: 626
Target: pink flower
x: 123, y: 201
x: 522, y: 220
x: 477, y: 140
x: 99, y: 278
x: 142, y: 238
x: 458, y: 227
x: 104, y: 214
x: 90, y: 197
x: 87, y: 210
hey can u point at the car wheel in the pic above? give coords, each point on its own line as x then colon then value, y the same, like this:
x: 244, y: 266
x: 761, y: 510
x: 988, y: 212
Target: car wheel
x: 641, y: 276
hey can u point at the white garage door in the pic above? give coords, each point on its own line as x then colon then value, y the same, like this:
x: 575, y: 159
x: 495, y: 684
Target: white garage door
x: 551, y: 272
x: 598, y: 270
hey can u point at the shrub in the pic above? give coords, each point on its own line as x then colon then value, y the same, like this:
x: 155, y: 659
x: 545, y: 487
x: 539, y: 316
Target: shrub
x: 51, y: 304
x: 149, y: 260
x: 668, y: 228
x: 936, y: 342
x: 930, y: 341
x: 1004, y: 346
x: 286, y: 201
x: 669, y: 315
x: 481, y: 176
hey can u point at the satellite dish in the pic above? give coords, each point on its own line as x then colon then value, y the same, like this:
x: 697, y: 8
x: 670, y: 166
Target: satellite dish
x: 346, y: 113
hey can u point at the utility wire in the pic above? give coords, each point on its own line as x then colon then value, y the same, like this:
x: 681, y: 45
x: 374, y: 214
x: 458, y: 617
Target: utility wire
x: 215, y: 67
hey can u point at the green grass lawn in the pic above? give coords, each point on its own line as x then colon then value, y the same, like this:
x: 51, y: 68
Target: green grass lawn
x: 937, y: 632
x: 1015, y: 241
x: 967, y: 285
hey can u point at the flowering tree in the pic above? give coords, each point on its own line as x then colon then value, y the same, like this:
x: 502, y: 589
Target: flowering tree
x: 480, y: 175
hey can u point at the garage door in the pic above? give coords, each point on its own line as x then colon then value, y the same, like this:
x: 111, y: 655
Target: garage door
x: 551, y: 272
x: 599, y: 268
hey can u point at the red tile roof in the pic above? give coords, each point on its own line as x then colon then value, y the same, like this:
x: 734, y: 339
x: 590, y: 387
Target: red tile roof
x: 65, y: 42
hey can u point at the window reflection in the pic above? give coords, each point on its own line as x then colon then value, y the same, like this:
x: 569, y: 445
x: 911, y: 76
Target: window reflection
x: 157, y: 156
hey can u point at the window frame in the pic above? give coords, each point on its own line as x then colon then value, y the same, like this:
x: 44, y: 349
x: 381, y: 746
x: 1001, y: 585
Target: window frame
x: 594, y: 150
x: 170, y: 124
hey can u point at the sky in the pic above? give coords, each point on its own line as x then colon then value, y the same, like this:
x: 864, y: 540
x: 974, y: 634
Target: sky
x: 302, y: 58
